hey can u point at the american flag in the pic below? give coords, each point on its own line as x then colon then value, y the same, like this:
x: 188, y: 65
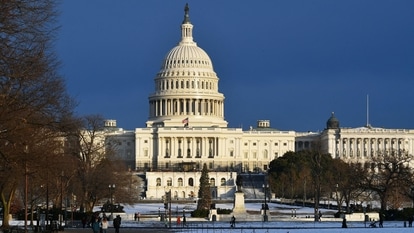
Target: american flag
x: 185, y: 122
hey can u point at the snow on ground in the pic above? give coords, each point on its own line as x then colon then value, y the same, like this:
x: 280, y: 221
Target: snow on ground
x: 283, y: 223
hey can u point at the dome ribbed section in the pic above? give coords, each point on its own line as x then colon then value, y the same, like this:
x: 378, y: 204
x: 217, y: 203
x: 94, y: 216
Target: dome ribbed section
x: 187, y: 56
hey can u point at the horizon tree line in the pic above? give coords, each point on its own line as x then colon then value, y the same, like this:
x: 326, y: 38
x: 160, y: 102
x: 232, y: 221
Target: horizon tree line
x: 310, y: 176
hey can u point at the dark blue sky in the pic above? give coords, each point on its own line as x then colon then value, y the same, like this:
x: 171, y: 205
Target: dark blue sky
x: 291, y: 62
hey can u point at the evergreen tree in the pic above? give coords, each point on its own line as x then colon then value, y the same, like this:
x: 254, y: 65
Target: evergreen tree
x: 204, y: 194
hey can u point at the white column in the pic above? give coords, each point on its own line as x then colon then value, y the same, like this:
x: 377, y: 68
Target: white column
x: 196, y: 101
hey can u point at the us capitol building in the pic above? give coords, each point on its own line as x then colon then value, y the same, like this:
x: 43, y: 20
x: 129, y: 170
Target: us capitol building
x: 186, y: 128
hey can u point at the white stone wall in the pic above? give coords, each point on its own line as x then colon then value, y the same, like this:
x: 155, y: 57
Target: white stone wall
x: 185, y: 185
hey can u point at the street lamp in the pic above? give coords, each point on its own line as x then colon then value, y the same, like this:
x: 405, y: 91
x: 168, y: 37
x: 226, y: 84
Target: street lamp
x: 304, y: 192
x: 265, y: 187
x: 62, y: 176
x: 47, y: 201
x: 111, y: 188
x: 26, y: 181
x: 337, y: 197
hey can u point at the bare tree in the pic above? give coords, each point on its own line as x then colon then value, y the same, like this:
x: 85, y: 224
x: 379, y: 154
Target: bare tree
x: 98, y: 166
x: 387, y: 172
x: 33, y: 99
x: 345, y: 180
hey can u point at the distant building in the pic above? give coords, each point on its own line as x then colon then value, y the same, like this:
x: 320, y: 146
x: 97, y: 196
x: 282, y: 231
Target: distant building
x: 186, y: 128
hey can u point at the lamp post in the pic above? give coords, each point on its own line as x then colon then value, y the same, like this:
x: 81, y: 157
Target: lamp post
x: 73, y: 206
x: 25, y: 197
x: 26, y: 183
x: 111, y: 188
x: 337, y: 197
x: 304, y: 192
x: 47, y: 204
x: 63, y: 211
x: 265, y: 187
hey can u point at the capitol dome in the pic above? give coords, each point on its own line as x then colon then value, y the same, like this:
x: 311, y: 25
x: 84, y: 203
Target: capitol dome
x: 186, y: 86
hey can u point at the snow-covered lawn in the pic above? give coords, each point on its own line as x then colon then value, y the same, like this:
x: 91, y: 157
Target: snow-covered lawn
x: 285, y: 223
x: 280, y: 221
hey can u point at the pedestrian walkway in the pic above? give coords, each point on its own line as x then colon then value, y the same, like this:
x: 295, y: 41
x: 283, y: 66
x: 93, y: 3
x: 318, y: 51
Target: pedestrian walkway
x: 121, y: 230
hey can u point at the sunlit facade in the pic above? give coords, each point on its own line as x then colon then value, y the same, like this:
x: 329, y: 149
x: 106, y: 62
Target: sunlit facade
x: 186, y: 128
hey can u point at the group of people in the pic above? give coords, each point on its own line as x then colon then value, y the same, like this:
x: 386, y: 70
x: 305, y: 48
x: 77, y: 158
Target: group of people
x: 137, y: 215
x: 179, y: 221
x: 100, y: 225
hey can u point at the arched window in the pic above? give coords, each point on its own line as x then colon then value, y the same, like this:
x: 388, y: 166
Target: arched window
x: 265, y: 154
x: 212, y: 182
x: 180, y: 181
x: 223, y: 181
x: 169, y: 182
x: 158, y: 181
x: 190, y: 182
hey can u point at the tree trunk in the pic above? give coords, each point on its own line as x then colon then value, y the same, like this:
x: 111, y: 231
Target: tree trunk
x: 6, y: 216
x: 6, y: 208
x: 383, y: 202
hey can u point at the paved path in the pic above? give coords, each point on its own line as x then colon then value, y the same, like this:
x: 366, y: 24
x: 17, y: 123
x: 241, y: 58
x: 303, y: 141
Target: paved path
x: 122, y: 230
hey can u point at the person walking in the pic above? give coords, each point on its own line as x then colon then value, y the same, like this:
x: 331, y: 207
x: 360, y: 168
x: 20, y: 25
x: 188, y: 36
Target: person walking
x: 381, y: 220
x: 117, y: 223
x: 104, y: 224
x: 178, y: 221
x: 344, y: 225
x: 233, y: 222
x: 96, y: 226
